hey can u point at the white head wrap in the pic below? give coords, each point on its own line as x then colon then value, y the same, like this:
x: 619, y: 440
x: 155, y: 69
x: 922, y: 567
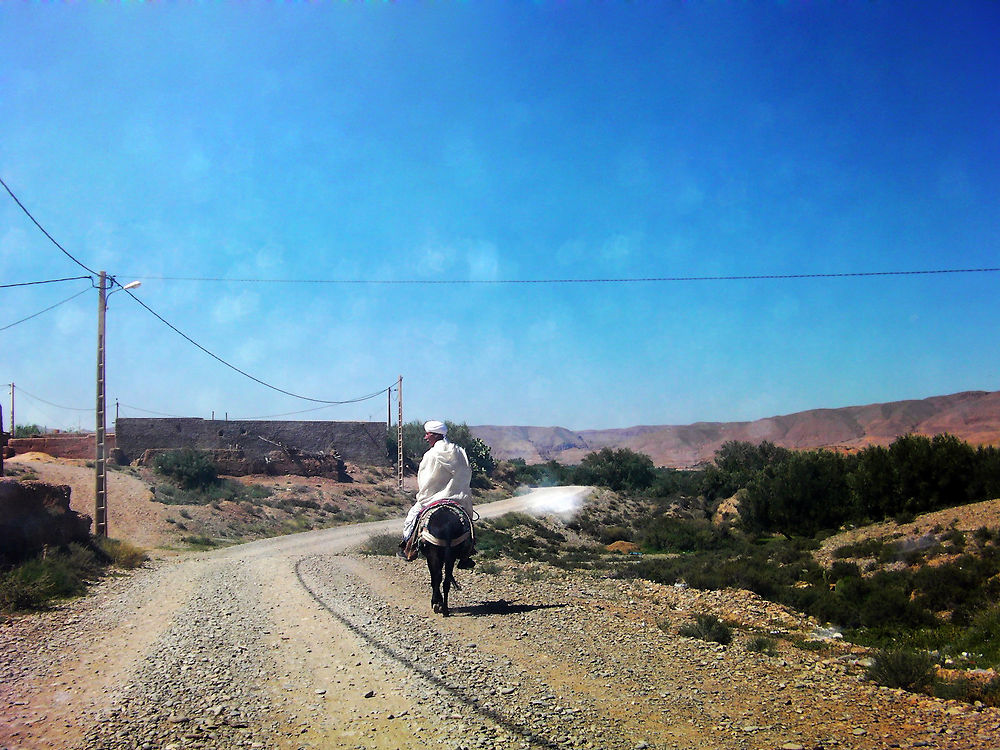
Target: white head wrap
x: 435, y: 426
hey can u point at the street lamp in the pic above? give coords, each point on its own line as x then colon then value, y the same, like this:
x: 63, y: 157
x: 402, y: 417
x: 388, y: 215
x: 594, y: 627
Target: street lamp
x: 100, y: 465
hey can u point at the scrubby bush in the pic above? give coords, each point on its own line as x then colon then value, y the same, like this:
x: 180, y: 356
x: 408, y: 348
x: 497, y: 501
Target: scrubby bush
x: 122, y: 554
x: 982, y: 637
x: 902, y: 668
x: 197, y: 540
x: 37, y: 582
x: 191, y: 469
x: 865, y: 548
x: 707, y: 628
x: 381, y: 544
x: 665, y: 534
x: 612, y: 534
x: 969, y: 690
x: 763, y: 644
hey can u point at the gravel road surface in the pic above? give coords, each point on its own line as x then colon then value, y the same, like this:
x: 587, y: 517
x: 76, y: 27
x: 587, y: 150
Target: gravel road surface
x: 294, y: 642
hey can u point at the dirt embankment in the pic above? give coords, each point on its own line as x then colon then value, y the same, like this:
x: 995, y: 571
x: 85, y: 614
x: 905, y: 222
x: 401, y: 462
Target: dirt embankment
x: 291, y: 503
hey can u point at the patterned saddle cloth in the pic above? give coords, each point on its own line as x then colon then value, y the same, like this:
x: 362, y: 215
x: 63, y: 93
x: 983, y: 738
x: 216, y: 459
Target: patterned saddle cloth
x: 464, y: 542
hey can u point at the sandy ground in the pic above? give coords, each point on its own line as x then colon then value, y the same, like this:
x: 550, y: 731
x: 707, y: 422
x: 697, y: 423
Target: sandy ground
x: 132, y: 514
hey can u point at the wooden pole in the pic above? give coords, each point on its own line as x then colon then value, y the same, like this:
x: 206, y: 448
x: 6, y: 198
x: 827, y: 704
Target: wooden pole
x: 399, y: 434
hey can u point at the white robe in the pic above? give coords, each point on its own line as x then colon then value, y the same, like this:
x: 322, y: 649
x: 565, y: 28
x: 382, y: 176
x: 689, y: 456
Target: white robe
x: 444, y: 473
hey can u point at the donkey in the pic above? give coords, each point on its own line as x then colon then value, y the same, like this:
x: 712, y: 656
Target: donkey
x: 445, y: 536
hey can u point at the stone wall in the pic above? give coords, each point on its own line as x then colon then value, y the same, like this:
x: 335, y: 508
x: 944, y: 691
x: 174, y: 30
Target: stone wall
x: 63, y: 446
x: 361, y: 443
x: 36, y: 514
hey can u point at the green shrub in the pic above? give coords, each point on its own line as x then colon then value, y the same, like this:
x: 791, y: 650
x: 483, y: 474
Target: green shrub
x: 969, y: 690
x: 21, y: 594
x: 707, y: 628
x: 865, y: 548
x: 902, y: 668
x: 612, y: 534
x: 199, y: 541
x: 513, y: 520
x: 381, y: 544
x: 667, y: 534
x: 190, y: 468
x: 121, y: 553
x: 763, y: 644
x: 37, y: 582
x: 983, y: 637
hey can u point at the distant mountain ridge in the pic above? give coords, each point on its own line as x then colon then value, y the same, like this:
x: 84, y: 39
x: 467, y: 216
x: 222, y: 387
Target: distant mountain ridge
x: 973, y: 416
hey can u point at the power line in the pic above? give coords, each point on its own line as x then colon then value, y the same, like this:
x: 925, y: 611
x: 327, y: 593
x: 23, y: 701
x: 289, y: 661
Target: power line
x: 22, y: 320
x: 293, y: 413
x: 147, y: 411
x: 245, y: 374
x: 47, y: 281
x: 21, y: 391
x: 170, y: 325
x: 51, y: 238
x: 607, y: 280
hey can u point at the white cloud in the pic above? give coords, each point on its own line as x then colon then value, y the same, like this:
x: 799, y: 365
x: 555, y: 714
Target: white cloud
x: 544, y: 331
x: 483, y: 261
x: 231, y: 308
x: 74, y: 321
x: 252, y: 351
x: 435, y: 259
x: 619, y: 248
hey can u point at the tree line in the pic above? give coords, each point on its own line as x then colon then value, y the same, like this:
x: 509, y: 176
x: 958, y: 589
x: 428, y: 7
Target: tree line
x: 794, y: 493
x: 799, y: 493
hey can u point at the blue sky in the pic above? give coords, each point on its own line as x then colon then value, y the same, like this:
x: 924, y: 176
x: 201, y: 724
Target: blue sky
x: 498, y: 141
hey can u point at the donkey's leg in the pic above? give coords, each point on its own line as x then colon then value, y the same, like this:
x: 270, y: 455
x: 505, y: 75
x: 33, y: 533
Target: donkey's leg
x: 434, y: 565
x: 449, y: 566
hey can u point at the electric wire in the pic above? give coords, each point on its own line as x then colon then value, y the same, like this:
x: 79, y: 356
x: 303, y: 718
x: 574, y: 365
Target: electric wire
x: 114, y: 282
x: 46, y: 281
x: 289, y: 413
x: 607, y: 280
x: 51, y: 238
x: 245, y: 374
x: 51, y: 307
x: 149, y: 411
x: 22, y: 392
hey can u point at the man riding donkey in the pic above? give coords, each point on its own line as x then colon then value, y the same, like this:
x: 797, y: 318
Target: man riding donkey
x: 442, y: 479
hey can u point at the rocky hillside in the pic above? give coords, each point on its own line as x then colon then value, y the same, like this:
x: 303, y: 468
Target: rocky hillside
x: 973, y: 416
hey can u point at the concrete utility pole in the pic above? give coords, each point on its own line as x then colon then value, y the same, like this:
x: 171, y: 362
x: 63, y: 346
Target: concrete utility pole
x: 11, y: 411
x: 100, y: 465
x: 399, y: 434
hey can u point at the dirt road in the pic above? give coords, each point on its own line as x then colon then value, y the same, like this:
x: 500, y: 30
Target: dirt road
x: 292, y: 642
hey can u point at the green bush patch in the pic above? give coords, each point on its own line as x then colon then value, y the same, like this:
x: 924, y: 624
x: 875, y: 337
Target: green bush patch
x: 707, y: 628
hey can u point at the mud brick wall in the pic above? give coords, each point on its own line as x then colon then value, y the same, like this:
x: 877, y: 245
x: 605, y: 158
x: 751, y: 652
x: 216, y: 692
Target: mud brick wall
x: 361, y: 443
x: 63, y: 446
